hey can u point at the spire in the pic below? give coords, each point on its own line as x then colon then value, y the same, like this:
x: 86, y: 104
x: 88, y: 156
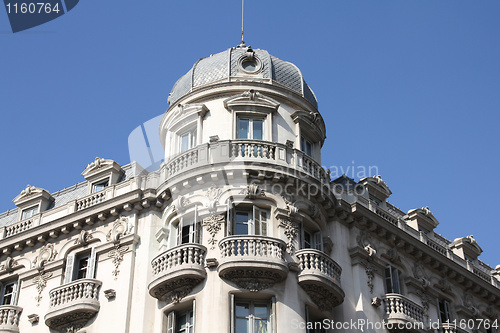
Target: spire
x: 242, y: 22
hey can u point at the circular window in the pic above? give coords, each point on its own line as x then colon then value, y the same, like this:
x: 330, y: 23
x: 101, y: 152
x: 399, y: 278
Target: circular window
x: 250, y: 64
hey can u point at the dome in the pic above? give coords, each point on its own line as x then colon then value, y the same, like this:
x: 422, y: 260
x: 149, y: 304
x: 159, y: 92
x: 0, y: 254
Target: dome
x: 242, y: 62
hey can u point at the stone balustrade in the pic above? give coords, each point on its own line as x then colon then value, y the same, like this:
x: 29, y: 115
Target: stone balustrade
x: 91, y: 200
x: 178, y: 258
x: 177, y: 271
x: 401, y: 309
x: 73, y: 303
x: 319, y: 275
x: 253, y: 262
x: 9, y: 318
x: 19, y: 227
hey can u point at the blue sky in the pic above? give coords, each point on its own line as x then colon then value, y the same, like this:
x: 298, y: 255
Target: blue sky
x: 409, y: 86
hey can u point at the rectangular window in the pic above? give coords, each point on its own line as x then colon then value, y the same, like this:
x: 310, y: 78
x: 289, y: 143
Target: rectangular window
x: 250, y: 128
x: 29, y: 212
x: 444, y: 311
x: 9, y: 293
x: 187, y: 140
x: 312, y: 240
x: 253, y: 221
x: 100, y: 185
x: 392, y: 280
x: 80, y: 266
x: 251, y: 316
x: 306, y: 146
x: 181, y: 321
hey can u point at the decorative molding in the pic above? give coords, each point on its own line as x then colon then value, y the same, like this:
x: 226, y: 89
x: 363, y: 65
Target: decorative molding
x: 213, y: 224
x: 47, y: 254
x: 176, y: 290
x: 83, y: 238
x: 253, y: 280
x: 370, y: 274
x: 180, y: 203
x: 253, y: 191
x: 110, y: 293
x: 213, y: 195
x: 33, y: 318
x: 376, y: 301
x: 117, y: 255
x: 41, y: 282
x: 9, y: 264
x: 291, y: 231
x: 254, y: 99
x: 121, y: 227
x: 321, y: 296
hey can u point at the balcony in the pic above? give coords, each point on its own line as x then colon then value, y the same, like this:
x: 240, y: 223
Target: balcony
x: 319, y: 276
x: 246, y: 152
x: 177, y: 271
x: 253, y: 262
x: 9, y: 318
x: 401, y: 310
x: 73, y: 304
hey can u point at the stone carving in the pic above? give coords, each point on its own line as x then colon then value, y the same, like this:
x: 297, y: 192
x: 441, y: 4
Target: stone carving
x: 291, y: 231
x: 175, y: 291
x: 73, y: 322
x: 376, y: 301
x: 83, y: 238
x: 253, y: 280
x: 252, y: 191
x: 393, y: 255
x: 322, y: 297
x: 419, y: 274
x: 120, y: 228
x: 117, y: 255
x: 365, y: 241
x: 290, y: 207
x: 370, y: 274
x: 47, y: 254
x: 425, y: 302
x: 213, y: 224
x: 213, y: 195
x: 41, y: 282
x: 8, y: 265
x: 29, y: 190
x: 180, y: 203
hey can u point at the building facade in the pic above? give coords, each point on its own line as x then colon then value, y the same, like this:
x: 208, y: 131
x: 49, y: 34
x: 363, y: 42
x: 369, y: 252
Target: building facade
x: 240, y: 230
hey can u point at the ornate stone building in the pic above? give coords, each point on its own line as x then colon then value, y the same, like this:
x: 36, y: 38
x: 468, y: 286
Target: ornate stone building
x: 239, y: 230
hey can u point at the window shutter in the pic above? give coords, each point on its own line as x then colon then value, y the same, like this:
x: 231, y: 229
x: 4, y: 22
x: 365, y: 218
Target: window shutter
x: 194, y: 315
x: 318, y: 241
x: 395, y: 280
x: 68, y: 273
x: 255, y: 226
x: 196, y: 227
x: 92, y: 264
x: 232, y: 321
x: 171, y: 322
x: 272, y: 317
x: 15, y: 292
x: 229, y: 219
x: 302, y: 243
x: 179, y: 232
x: 447, y: 310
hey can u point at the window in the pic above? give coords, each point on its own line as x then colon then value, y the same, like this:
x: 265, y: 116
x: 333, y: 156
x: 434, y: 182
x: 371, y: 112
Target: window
x: 9, y: 293
x: 188, y: 231
x: 181, y: 321
x: 444, y: 311
x: 313, y: 323
x: 251, y: 222
x: 29, y: 212
x: 187, y: 140
x: 80, y: 266
x: 306, y: 146
x: 312, y: 240
x: 100, y: 185
x: 392, y: 280
x: 250, y: 128
x: 254, y: 316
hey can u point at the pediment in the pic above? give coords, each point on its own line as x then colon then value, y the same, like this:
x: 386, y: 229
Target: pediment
x: 251, y: 100
x: 424, y: 216
x: 378, y: 186
x: 29, y: 194
x: 100, y: 166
